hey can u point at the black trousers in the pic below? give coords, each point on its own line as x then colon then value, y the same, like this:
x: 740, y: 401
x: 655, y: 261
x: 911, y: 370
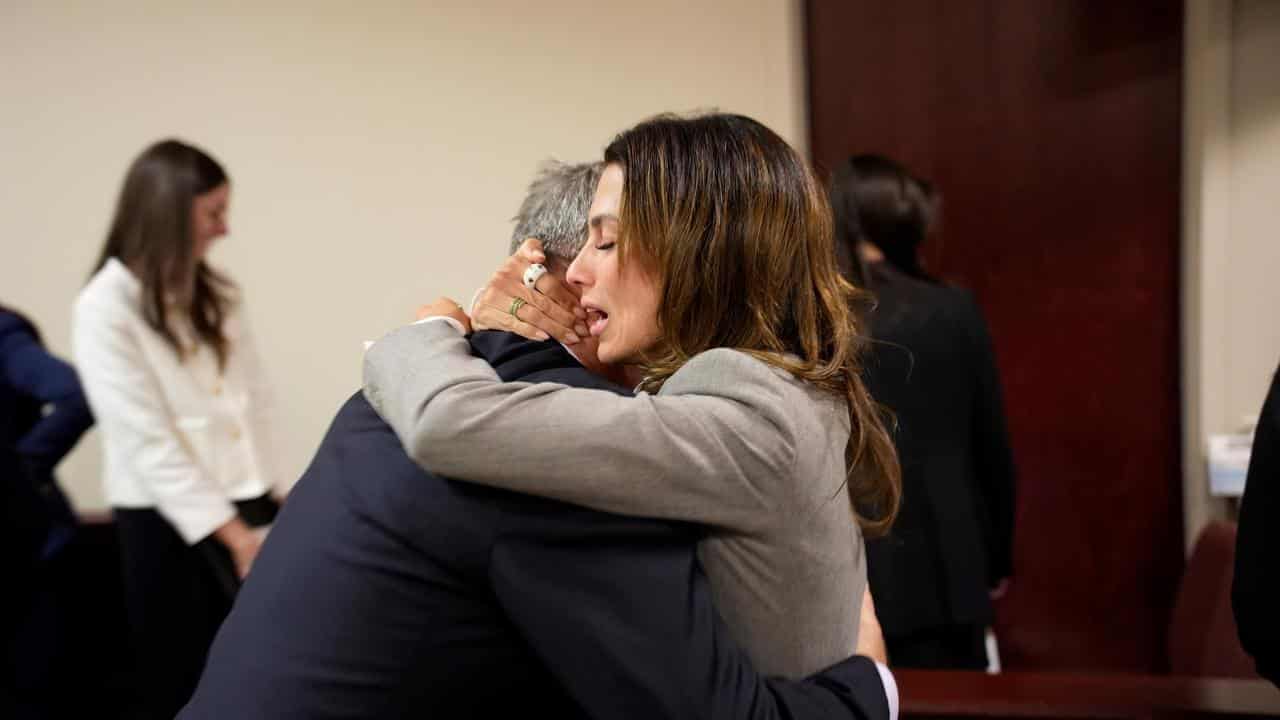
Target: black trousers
x: 176, y: 596
x: 41, y: 652
x: 955, y: 647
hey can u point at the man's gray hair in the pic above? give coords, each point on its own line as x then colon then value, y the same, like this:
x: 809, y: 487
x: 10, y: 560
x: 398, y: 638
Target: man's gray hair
x: 555, y: 209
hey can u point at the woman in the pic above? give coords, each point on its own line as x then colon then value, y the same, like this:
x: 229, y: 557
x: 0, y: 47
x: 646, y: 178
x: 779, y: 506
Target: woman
x: 709, y: 269
x: 172, y: 375
x: 42, y: 416
x: 932, y: 365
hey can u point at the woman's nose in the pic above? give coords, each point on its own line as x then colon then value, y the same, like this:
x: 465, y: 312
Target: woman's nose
x: 578, y: 273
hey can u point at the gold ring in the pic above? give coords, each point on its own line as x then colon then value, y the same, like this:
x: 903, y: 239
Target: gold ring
x: 516, y: 304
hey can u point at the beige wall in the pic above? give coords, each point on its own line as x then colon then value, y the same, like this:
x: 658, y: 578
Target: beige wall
x: 377, y: 149
x: 1232, y: 215
x: 1253, y: 293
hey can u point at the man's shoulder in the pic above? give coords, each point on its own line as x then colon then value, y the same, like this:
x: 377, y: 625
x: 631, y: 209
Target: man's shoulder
x: 578, y: 377
x: 13, y: 322
x: 357, y: 412
x: 517, y: 359
x: 15, y: 330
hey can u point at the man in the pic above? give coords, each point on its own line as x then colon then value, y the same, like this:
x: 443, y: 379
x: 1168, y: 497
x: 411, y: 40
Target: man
x: 385, y: 591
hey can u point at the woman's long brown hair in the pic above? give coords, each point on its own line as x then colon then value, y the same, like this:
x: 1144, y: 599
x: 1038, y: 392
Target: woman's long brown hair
x: 738, y: 232
x: 151, y: 233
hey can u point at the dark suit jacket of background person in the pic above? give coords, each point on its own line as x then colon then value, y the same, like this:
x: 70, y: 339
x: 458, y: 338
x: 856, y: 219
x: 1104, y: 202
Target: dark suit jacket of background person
x: 43, y: 413
x: 385, y: 591
x: 933, y: 366
x: 1255, y: 592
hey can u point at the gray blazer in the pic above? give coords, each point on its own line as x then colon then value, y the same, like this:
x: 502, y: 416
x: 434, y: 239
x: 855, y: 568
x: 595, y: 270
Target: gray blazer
x: 729, y: 442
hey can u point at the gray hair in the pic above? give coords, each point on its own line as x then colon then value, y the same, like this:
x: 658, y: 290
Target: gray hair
x: 555, y: 209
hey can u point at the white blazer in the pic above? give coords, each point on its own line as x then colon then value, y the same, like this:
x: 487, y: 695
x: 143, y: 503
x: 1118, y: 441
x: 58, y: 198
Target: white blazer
x: 177, y: 435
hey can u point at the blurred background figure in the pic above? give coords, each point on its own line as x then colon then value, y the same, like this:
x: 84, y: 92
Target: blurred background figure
x: 1256, y: 585
x: 42, y: 415
x: 932, y: 365
x: 170, y: 370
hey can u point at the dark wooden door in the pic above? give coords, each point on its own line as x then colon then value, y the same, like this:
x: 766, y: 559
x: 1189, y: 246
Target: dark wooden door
x: 1052, y: 129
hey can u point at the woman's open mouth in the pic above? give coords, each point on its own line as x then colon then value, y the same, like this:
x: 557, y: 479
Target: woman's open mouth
x: 596, y: 320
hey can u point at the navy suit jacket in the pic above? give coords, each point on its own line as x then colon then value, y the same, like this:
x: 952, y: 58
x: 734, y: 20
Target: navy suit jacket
x: 385, y: 591
x: 42, y: 415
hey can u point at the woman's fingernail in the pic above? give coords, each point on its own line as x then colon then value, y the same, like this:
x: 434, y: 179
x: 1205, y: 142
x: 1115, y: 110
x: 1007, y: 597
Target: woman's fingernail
x: 581, y: 329
x: 543, y: 336
x: 571, y: 339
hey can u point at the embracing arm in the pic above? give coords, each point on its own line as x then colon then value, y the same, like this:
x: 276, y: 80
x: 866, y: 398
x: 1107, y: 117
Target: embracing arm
x: 630, y: 630
x: 708, y: 450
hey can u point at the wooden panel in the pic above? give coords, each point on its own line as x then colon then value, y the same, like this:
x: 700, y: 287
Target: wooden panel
x: 1069, y: 695
x: 1052, y: 128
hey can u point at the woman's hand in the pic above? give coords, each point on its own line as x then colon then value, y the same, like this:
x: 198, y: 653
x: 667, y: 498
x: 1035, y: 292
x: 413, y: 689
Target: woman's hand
x: 549, y: 310
x: 242, y: 542
x: 444, y: 307
x: 870, y: 634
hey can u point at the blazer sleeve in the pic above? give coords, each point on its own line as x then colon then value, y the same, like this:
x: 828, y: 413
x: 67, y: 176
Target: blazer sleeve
x: 709, y: 449
x: 136, y: 423
x: 993, y: 458
x: 28, y: 367
x: 629, y: 629
x: 1255, y: 592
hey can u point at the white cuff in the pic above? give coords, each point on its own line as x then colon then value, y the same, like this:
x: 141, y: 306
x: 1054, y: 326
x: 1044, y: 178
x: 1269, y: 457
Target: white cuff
x: 195, y: 524
x: 890, y: 689
x: 452, y: 322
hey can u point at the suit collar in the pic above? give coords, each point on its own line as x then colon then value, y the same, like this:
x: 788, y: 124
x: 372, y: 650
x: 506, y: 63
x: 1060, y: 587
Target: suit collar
x: 514, y: 357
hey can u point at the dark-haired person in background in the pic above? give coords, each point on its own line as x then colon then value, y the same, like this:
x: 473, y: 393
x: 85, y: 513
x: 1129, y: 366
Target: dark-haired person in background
x: 171, y: 373
x: 1255, y: 592
x: 934, y: 576
x: 42, y: 416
